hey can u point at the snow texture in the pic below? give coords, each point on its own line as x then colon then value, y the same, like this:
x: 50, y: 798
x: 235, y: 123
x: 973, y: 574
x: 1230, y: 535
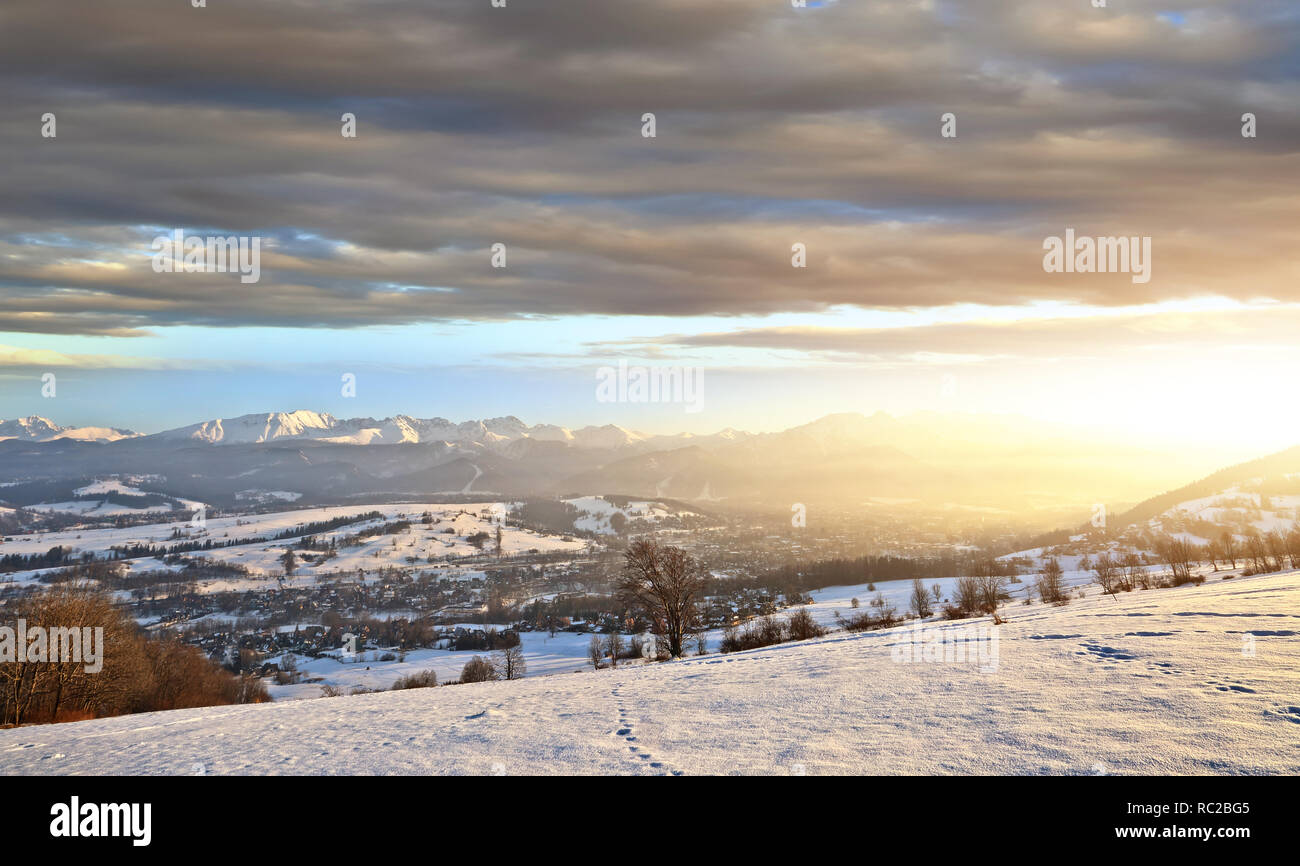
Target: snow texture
x: 1193, y: 680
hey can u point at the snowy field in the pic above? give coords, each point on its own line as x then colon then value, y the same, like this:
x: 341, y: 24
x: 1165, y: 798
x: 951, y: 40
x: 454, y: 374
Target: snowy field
x: 596, y: 513
x: 543, y: 655
x: 1194, y: 680
x: 566, y: 652
x: 898, y: 593
x: 413, y: 546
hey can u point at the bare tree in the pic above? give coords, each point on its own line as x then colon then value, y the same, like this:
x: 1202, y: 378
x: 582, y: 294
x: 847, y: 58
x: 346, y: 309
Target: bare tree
x: 84, y: 627
x: 1051, y: 584
x: 988, y: 583
x: 1179, y: 554
x: 701, y: 643
x: 614, y: 646
x: 1135, y: 572
x: 1293, y: 547
x: 1228, y: 547
x: 664, y: 583
x: 921, y: 599
x: 968, y: 595
x: 1105, y: 573
x: 510, y: 663
x: 1276, y: 543
x: 1257, y: 550
x: 990, y: 592
x: 1213, y: 554
x: 595, y: 654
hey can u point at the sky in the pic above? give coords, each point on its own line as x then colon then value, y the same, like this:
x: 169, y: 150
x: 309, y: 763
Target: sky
x: 923, y: 285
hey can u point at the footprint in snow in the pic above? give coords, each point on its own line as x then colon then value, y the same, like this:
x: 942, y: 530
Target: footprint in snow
x: 1230, y: 687
x: 1106, y: 653
x: 1291, y: 714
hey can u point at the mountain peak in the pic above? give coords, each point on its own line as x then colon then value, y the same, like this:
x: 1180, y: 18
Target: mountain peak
x: 264, y: 427
x: 37, y: 428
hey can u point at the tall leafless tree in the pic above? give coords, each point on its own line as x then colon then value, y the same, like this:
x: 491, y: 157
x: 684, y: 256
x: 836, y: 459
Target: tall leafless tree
x: 664, y: 582
x: 1180, y: 555
x: 987, y: 573
x: 1276, y: 543
x: 1228, y: 547
x: 1257, y: 550
x: 1293, y: 547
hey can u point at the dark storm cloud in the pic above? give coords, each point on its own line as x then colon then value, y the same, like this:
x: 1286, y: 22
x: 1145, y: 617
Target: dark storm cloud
x: 521, y: 125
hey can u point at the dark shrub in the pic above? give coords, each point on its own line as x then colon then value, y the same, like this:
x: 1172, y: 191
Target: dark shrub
x: 417, y: 680
x: 764, y: 631
x: 802, y: 626
x: 871, y: 622
x: 478, y: 670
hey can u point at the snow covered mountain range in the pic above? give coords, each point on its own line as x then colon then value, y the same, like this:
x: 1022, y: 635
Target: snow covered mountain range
x: 982, y: 461
x: 34, y: 428
x: 324, y: 427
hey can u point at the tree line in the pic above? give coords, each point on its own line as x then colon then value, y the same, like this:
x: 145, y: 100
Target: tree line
x: 138, y: 674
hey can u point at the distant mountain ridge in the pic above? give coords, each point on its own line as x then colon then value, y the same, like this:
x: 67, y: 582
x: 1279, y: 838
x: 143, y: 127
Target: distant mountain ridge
x: 260, y: 428
x: 35, y: 428
x: 1004, y: 463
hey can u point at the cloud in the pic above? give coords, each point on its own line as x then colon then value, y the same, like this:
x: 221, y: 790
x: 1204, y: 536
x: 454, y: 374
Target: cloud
x: 521, y: 126
x: 1256, y: 329
x: 44, y: 359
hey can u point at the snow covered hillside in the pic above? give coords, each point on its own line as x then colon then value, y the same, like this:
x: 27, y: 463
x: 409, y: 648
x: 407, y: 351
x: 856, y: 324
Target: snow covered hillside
x: 1193, y: 680
x: 596, y: 513
x: 1238, y: 511
x: 414, y: 544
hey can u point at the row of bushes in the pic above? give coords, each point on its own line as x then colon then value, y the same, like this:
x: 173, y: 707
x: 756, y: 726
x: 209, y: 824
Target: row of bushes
x: 508, y: 664
x: 768, y: 630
